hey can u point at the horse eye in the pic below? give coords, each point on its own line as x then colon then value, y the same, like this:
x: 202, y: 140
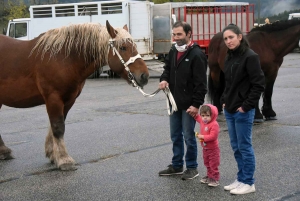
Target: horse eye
x: 123, y: 48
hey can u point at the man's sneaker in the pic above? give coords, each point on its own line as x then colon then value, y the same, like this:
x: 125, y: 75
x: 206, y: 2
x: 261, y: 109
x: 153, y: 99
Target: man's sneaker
x: 212, y: 182
x: 234, y: 185
x: 190, y: 173
x: 171, y: 171
x: 204, y: 180
x: 243, y: 189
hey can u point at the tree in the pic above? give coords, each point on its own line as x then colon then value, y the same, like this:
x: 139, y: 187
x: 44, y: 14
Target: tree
x: 16, y: 9
x: 165, y: 1
x: 41, y: 2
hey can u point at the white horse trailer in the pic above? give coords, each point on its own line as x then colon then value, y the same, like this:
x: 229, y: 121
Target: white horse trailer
x: 138, y: 15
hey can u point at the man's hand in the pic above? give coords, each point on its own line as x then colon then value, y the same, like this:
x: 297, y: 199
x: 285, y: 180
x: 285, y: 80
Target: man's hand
x: 163, y: 84
x: 193, y: 111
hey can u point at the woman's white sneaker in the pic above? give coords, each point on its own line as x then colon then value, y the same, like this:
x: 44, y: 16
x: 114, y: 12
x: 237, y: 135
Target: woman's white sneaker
x: 234, y: 185
x: 243, y: 189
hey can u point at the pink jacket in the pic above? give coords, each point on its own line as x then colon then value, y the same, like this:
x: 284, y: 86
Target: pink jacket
x: 210, y: 130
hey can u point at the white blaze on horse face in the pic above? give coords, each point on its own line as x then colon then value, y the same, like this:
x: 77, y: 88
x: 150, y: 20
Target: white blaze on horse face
x: 231, y: 39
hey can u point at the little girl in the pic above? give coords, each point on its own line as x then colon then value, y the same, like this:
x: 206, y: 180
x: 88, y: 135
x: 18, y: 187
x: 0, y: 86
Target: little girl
x: 208, y: 136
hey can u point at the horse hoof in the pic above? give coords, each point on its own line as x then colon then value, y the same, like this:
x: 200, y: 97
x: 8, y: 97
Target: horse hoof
x: 271, y: 118
x: 6, y: 156
x: 258, y: 121
x: 68, y: 167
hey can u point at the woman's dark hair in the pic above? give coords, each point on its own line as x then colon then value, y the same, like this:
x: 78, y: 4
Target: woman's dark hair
x: 186, y: 26
x: 244, y: 42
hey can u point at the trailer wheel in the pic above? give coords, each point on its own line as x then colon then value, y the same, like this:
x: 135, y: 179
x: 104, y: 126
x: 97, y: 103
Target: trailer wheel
x: 112, y: 74
x: 96, y: 74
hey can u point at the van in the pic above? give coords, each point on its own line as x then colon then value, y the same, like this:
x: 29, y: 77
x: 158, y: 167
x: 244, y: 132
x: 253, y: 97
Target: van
x: 295, y: 16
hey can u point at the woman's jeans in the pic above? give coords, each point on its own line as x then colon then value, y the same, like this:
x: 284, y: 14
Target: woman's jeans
x: 240, y: 134
x: 182, y: 127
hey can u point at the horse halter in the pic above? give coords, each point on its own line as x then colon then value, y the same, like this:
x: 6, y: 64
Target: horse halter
x: 130, y: 61
x: 167, y: 91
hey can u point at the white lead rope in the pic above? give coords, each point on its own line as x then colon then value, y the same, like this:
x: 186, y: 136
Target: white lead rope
x: 170, y: 98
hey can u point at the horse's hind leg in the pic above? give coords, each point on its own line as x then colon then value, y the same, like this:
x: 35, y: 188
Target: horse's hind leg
x: 267, y: 109
x: 258, y: 118
x: 5, y: 152
x: 55, y: 138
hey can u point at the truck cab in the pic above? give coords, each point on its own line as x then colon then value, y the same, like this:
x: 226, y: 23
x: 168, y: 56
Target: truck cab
x: 295, y: 16
x: 19, y: 28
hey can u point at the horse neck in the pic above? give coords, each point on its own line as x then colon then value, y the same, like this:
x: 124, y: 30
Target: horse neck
x: 284, y: 41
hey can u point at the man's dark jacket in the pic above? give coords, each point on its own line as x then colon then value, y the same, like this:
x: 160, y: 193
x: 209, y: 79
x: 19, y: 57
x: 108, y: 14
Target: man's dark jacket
x: 244, y: 80
x: 187, y: 78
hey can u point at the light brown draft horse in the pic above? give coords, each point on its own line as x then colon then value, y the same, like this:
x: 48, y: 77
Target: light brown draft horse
x: 52, y: 70
x: 271, y: 42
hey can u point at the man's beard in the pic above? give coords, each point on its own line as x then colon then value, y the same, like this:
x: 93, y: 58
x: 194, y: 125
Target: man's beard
x: 181, y: 42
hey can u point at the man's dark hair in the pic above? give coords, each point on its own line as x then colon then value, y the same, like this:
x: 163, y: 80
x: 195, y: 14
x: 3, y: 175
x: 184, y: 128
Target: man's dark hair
x: 186, y: 26
x: 235, y: 29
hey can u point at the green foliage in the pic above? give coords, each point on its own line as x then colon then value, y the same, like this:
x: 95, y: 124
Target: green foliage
x: 281, y: 16
x: 16, y: 9
x: 165, y: 1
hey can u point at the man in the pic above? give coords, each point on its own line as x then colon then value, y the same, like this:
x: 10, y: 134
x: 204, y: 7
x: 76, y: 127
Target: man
x: 185, y: 74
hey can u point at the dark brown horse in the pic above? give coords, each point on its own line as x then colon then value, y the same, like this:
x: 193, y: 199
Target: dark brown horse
x: 271, y: 42
x: 52, y: 70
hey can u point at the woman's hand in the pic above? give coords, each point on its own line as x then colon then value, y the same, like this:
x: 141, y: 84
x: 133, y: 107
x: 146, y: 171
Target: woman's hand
x: 240, y: 109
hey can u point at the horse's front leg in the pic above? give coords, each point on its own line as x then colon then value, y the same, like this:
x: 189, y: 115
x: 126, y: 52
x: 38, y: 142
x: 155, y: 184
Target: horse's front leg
x: 49, y: 145
x: 5, y: 152
x: 267, y: 109
x: 55, y: 138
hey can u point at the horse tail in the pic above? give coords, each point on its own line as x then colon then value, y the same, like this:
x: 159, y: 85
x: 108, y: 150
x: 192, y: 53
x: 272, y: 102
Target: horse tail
x: 222, y: 83
x: 211, y: 89
x: 215, y: 92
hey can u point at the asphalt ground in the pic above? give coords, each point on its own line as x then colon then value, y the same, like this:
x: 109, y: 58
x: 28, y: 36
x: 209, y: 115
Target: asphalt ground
x: 120, y: 141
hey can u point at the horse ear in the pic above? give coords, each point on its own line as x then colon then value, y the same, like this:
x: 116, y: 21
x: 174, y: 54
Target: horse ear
x: 125, y: 27
x: 112, y: 32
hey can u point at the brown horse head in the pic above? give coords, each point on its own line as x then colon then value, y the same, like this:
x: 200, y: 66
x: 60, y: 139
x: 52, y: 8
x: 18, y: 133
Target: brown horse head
x: 123, y: 53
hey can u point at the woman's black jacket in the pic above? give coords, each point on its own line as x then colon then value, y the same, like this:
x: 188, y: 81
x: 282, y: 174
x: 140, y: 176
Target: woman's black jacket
x: 244, y: 79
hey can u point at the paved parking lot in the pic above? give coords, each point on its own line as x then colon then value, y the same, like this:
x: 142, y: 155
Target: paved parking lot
x: 120, y: 141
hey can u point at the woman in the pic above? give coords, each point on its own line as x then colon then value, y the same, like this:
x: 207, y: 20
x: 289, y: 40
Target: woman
x: 244, y: 85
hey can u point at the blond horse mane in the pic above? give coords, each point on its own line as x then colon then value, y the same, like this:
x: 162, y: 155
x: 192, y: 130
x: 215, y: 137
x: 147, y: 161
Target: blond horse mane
x: 91, y: 39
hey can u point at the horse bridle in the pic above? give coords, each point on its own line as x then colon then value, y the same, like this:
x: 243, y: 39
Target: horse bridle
x: 125, y: 64
x: 131, y: 78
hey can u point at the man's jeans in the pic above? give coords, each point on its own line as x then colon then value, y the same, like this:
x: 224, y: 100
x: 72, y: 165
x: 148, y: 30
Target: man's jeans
x: 182, y: 127
x: 240, y: 134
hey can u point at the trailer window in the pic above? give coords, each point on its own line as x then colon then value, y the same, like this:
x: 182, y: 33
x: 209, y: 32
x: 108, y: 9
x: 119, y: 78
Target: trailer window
x: 41, y: 12
x: 89, y: 9
x: 111, y: 8
x: 21, y: 30
x: 64, y: 11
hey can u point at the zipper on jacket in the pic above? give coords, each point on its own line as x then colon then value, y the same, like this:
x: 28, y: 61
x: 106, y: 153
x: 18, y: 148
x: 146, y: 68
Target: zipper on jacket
x: 231, y: 70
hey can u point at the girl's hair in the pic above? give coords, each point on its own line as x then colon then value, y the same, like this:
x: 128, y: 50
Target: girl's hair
x: 244, y: 42
x: 205, y: 109
x: 186, y: 26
